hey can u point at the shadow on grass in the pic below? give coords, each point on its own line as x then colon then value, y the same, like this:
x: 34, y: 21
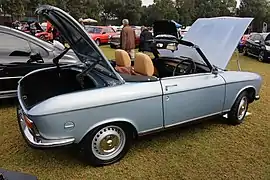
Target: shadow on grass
x: 10, y: 102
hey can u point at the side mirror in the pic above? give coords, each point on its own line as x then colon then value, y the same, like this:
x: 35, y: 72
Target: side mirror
x: 103, y: 32
x: 215, y: 71
x: 58, y: 45
x: 35, y: 57
x: 257, y: 41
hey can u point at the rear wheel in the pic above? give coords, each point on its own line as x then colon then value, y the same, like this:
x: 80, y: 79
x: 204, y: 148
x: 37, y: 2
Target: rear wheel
x: 106, y: 144
x: 42, y: 37
x: 238, y: 112
x: 261, y: 56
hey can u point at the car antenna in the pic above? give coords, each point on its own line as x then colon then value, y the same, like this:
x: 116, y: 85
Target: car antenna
x: 238, y: 62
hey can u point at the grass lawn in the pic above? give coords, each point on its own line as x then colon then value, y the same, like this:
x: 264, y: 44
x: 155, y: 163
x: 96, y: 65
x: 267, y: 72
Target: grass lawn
x: 209, y: 150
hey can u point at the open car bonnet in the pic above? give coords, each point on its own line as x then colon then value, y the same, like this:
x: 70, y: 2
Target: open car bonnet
x: 217, y: 38
x: 165, y: 27
x: 77, y: 38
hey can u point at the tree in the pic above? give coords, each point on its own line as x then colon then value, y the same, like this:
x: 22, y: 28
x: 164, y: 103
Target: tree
x: 254, y: 8
x: 166, y: 9
x: 13, y: 7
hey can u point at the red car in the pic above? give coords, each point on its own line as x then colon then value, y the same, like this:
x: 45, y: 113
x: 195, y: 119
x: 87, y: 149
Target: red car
x: 101, y: 34
x: 243, y: 42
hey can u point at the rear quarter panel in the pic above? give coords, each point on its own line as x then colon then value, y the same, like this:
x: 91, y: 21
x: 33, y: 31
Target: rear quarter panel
x: 237, y: 82
x: 140, y: 104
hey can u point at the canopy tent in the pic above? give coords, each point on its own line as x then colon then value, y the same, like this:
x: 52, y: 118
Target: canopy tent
x: 177, y: 24
x: 89, y: 20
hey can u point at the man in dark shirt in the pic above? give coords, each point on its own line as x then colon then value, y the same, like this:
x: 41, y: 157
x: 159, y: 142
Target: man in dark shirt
x: 144, y: 37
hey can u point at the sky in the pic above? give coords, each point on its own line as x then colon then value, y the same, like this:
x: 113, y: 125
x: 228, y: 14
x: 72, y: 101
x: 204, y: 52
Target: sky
x: 148, y: 2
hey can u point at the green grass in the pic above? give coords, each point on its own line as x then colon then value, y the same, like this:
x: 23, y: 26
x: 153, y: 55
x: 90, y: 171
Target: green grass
x: 209, y: 150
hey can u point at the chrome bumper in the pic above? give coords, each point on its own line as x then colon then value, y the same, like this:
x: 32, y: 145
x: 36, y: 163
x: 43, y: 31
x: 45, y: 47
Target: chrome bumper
x: 257, y: 97
x: 38, y: 141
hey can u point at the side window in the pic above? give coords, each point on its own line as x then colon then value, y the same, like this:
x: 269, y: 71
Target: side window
x: 106, y: 30
x: 110, y: 30
x: 10, y: 43
x: 37, y: 49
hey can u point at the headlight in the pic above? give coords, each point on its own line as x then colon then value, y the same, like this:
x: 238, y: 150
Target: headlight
x: 159, y: 45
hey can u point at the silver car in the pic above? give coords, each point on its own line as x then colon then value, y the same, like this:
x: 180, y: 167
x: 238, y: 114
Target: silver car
x: 102, y: 110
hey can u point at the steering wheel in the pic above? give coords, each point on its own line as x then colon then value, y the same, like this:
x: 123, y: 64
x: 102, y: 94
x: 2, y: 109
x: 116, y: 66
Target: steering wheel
x: 190, y: 68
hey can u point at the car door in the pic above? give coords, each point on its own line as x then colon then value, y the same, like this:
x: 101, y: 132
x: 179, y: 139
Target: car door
x: 190, y: 97
x: 14, y: 55
x: 257, y: 44
x: 106, y: 35
x: 250, y: 44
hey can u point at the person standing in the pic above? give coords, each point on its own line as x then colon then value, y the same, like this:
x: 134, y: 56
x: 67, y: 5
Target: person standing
x: 144, y: 37
x: 127, y: 39
x: 81, y: 22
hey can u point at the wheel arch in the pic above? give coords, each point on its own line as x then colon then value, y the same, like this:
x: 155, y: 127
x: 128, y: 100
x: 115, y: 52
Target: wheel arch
x: 251, y: 90
x: 124, y: 122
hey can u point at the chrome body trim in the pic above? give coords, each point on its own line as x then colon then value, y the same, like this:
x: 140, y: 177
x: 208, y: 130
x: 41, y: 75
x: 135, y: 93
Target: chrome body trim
x: 193, y: 119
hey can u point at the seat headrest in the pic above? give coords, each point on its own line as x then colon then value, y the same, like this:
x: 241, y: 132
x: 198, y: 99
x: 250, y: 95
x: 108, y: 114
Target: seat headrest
x: 143, y: 65
x: 122, y: 58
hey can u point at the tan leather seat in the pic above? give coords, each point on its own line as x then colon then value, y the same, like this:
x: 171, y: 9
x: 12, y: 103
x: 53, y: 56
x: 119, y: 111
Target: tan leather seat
x: 143, y: 65
x: 123, y: 62
x: 122, y: 58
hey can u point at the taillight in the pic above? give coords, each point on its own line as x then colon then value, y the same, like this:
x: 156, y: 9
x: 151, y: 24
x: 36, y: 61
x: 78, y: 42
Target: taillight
x: 28, y: 122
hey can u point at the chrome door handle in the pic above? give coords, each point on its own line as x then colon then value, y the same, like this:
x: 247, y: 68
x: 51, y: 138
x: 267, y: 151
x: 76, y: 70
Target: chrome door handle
x: 168, y: 86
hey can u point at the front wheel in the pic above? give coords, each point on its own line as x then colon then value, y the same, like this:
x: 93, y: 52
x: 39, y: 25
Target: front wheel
x: 239, y: 109
x: 261, y: 56
x: 106, y: 144
x: 245, y: 53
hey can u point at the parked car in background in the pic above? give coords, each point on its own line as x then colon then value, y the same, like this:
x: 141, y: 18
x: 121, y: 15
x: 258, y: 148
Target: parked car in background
x: 183, y: 31
x: 115, y: 39
x: 21, y: 53
x: 258, y: 45
x: 102, y: 110
x: 101, y: 34
x: 242, y: 42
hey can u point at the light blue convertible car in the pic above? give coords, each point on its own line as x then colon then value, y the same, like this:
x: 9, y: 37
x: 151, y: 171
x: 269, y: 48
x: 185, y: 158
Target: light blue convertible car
x: 103, y: 108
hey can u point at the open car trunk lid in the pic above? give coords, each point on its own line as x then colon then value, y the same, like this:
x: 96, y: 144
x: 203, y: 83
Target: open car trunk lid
x: 165, y: 27
x: 78, y: 39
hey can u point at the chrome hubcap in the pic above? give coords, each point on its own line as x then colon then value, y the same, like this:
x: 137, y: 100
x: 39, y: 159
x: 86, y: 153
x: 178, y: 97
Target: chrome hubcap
x: 242, y: 108
x: 108, y: 142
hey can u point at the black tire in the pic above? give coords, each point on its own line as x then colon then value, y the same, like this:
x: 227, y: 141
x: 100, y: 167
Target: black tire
x: 97, y: 42
x: 245, y: 53
x: 112, y: 46
x: 261, y: 56
x: 238, y: 111
x: 42, y: 37
x: 95, y: 136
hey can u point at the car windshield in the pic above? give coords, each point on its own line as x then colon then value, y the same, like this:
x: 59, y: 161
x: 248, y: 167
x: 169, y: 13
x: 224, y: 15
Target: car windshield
x: 94, y: 30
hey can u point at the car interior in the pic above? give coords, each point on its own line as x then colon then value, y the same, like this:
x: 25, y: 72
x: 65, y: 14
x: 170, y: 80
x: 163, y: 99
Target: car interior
x: 153, y: 69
